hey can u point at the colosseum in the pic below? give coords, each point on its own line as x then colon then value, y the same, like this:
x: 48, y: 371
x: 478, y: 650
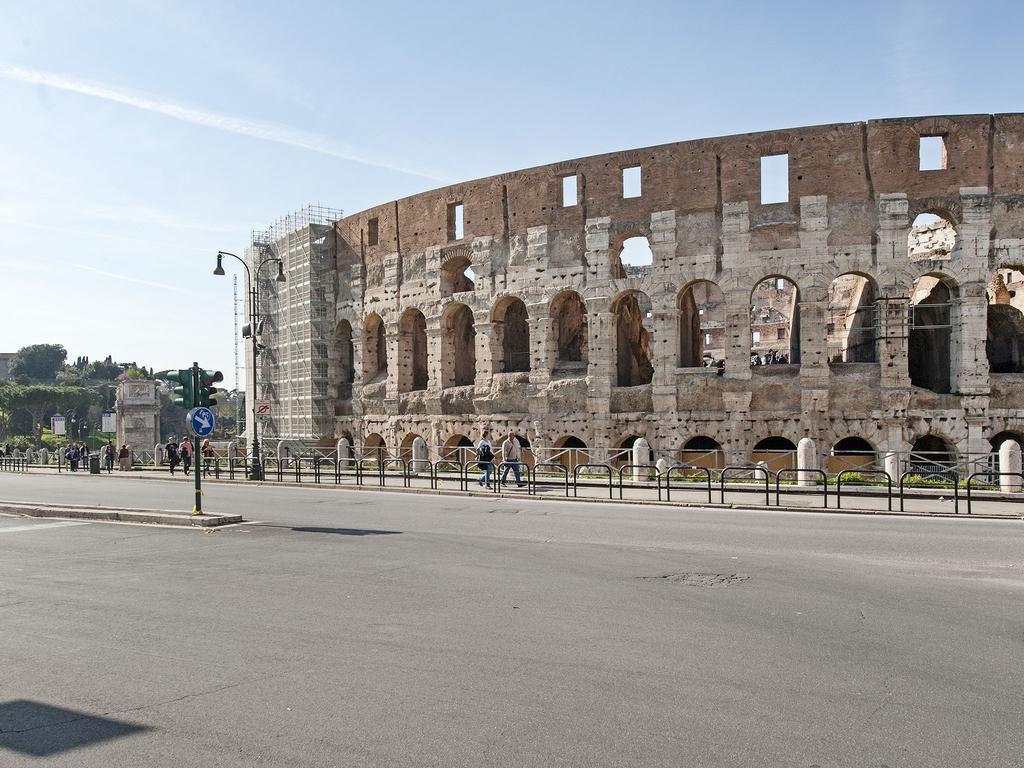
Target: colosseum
x: 858, y: 284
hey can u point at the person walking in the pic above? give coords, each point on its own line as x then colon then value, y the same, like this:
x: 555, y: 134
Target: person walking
x: 108, y: 456
x: 207, y: 454
x: 124, y: 458
x: 512, y: 456
x: 83, y: 456
x: 485, y: 458
x: 185, y: 451
x: 172, y: 454
x: 73, y: 457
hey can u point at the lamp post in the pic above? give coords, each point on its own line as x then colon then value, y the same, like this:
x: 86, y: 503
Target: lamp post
x: 251, y: 283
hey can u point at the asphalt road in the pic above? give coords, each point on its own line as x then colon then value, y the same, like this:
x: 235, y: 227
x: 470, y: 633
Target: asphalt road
x: 354, y: 628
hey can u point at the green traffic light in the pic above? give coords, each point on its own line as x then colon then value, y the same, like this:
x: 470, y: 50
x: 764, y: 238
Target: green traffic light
x: 184, y: 394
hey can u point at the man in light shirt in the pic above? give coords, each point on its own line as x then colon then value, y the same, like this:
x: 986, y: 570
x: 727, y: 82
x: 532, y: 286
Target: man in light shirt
x: 512, y: 455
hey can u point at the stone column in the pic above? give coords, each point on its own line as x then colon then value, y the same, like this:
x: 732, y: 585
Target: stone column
x: 420, y: 455
x: 806, y: 458
x: 1010, y: 461
x: 344, y: 453
x: 737, y: 334
x: 641, y: 460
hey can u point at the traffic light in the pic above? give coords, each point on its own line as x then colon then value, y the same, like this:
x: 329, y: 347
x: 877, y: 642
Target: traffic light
x: 206, y: 381
x: 184, y: 393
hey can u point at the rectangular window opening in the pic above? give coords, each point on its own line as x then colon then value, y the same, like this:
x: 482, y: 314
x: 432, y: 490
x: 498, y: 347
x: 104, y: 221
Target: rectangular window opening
x: 757, y: 337
x: 775, y: 179
x: 932, y: 153
x: 569, y: 191
x: 372, y: 231
x: 631, y: 181
x: 707, y: 338
x: 455, y: 220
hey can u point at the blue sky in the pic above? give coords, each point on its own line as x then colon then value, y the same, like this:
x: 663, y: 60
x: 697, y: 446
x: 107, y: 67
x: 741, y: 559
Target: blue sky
x: 138, y: 138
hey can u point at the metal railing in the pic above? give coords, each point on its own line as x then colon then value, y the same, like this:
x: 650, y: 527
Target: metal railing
x: 796, y: 473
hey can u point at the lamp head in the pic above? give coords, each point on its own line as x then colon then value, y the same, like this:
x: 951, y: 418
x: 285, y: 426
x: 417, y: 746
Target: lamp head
x: 220, y: 267
x: 280, y: 272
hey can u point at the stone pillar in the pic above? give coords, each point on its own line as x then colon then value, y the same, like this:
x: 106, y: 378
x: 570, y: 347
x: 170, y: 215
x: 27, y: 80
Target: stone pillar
x: 138, y: 413
x: 1010, y: 461
x: 642, y: 460
x: 737, y: 333
x: 344, y: 453
x: 44, y: 456
x: 891, y: 464
x: 420, y: 455
x: 663, y: 465
x: 806, y: 458
x: 158, y: 454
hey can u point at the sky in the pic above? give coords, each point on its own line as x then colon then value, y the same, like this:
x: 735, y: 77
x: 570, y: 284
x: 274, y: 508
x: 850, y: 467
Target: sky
x: 139, y: 138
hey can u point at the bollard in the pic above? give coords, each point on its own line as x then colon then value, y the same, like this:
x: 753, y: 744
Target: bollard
x: 1010, y: 461
x: 806, y: 456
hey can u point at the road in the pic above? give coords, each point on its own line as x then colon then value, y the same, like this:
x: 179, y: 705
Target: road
x: 380, y: 629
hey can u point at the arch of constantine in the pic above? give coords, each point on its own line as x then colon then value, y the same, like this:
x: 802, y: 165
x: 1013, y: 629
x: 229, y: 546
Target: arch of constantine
x: 859, y: 284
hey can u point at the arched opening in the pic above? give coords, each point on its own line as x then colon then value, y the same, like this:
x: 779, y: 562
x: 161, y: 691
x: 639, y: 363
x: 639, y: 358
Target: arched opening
x: 412, y: 351
x: 405, y: 450
x: 457, y: 276
x: 932, y: 237
x: 931, y: 456
x: 702, y: 451
x: 632, y: 341
x: 1004, y: 344
x: 624, y: 451
x: 634, y: 258
x: 374, y: 448
x: 512, y: 334
x: 344, y: 356
x: 458, y: 347
x: 375, y: 349
x: 930, y: 344
x: 776, y: 453
x: 775, y: 322
x: 851, y: 453
x: 569, y: 331
x: 571, y: 451
x: 459, y: 449
x: 702, y: 326
x: 851, y: 320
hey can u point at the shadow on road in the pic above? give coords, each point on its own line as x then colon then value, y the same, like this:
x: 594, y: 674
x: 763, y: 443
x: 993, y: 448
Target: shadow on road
x: 345, y: 531
x: 32, y: 728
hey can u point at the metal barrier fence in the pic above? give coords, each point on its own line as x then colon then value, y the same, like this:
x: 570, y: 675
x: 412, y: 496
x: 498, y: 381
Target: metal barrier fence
x: 13, y: 464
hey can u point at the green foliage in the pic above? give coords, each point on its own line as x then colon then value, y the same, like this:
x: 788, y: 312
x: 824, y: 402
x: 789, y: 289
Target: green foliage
x: 40, y: 401
x: 38, y: 362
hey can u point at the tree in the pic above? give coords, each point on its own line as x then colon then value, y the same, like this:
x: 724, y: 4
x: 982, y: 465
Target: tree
x: 102, y: 370
x: 41, y: 401
x: 38, y: 362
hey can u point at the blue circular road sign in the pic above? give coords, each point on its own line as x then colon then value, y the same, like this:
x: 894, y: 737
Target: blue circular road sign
x: 201, y: 421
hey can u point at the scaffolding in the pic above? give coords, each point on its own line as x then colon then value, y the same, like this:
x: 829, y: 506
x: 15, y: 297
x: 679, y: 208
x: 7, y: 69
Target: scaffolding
x: 297, y: 319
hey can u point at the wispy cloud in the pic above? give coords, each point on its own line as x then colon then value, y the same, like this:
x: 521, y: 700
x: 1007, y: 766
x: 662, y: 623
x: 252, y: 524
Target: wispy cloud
x: 279, y: 134
x: 128, y: 278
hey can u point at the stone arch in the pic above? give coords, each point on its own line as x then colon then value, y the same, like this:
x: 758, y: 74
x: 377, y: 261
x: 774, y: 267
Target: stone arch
x: 458, y: 448
x: 511, y: 332
x: 776, y: 452
x: 374, y: 447
x: 702, y: 333
x: 375, y: 349
x: 933, y: 236
x: 702, y: 451
x: 997, y: 441
x: 775, y: 321
x: 853, y: 452
x: 933, y: 456
x: 931, y: 333
x: 458, y: 346
x: 344, y: 356
x: 405, y: 449
x: 457, y: 276
x: 569, y: 330
x: 632, y: 340
x: 1004, y: 344
x: 412, y: 351
x: 632, y: 255
x: 571, y: 451
x: 851, y: 322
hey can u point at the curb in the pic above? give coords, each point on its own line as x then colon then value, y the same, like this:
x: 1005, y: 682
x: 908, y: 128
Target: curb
x: 115, y: 515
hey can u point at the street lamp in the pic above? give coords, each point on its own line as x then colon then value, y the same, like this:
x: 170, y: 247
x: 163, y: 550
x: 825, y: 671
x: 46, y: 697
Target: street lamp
x: 256, y: 472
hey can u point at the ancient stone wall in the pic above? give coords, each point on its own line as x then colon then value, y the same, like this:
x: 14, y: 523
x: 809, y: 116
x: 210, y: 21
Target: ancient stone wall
x: 501, y: 303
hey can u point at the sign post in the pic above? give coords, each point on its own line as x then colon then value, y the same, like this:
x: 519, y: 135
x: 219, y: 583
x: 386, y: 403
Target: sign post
x: 200, y: 421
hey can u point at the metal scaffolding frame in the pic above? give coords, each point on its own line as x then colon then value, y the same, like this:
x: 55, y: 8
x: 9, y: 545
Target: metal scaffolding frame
x: 297, y: 323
